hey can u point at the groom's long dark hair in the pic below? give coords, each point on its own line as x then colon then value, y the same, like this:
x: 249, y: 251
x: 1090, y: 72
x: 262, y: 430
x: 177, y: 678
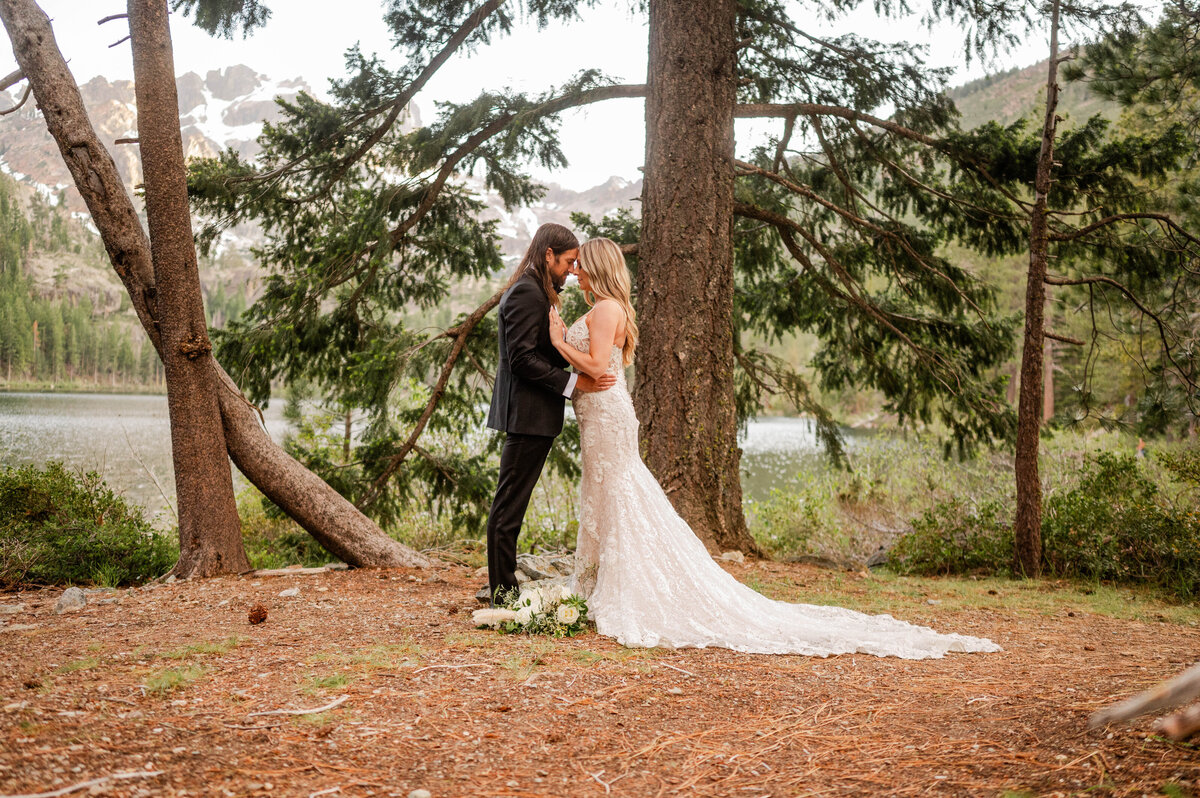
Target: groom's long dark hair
x: 553, y: 237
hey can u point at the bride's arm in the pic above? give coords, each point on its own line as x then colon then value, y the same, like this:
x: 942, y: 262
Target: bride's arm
x: 602, y: 331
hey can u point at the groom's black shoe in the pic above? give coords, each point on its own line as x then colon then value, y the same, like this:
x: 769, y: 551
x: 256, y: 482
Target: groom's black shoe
x: 484, y: 595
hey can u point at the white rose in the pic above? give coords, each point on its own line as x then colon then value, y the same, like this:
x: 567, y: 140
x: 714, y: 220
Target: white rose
x: 523, y: 616
x: 492, y: 618
x: 533, y: 600
x: 567, y: 614
x: 564, y: 593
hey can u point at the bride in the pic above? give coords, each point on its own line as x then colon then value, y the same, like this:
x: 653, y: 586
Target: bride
x: 647, y: 578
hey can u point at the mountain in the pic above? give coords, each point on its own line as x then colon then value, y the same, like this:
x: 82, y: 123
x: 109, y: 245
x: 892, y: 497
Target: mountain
x: 1020, y: 93
x: 225, y: 108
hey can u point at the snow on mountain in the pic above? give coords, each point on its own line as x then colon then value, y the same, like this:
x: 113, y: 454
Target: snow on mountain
x: 226, y: 108
x: 516, y: 227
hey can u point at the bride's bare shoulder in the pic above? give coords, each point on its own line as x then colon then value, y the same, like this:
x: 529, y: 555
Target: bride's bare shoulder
x: 606, y: 309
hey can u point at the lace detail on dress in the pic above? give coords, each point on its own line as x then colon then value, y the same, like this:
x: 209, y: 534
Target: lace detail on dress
x: 649, y: 581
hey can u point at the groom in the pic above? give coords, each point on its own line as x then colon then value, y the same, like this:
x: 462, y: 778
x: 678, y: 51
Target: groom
x: 532, y: 384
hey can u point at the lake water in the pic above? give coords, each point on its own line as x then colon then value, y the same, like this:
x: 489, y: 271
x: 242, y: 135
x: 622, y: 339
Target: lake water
x: 126, y: 438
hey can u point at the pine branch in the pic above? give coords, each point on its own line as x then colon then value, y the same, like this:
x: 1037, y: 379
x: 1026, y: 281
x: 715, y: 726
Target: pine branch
x: 814, y: 110
x: 806, y: 191
x: 1165, y: 331
x: 397, y: 105
x: 786, y: 227
x: 460, y: 333
x: 433, y: 190
x: 1163, y: 219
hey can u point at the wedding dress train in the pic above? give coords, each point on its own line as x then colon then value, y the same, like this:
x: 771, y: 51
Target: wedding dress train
x: 649, y: 581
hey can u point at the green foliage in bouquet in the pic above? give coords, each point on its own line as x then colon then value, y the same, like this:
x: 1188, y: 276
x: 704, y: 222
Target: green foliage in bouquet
x: 551, y: 610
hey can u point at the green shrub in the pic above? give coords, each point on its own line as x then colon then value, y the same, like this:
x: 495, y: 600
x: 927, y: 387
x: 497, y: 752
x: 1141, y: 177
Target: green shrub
x: 1116, y: 525
x: 58, y: 527
x: 954, y: 538
x: 794, y: 522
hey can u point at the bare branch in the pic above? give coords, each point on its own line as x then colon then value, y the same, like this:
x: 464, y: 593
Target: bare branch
x: 111, y: 17
x: 1162, y: 218
x: 813, y: 110
x: 1165, y: 332
x: 119, y: 41
x: 781, y: 148
x: 11, y: 79
x: 460, y: 333
x: 1184, y: 687
x: 15, y: 108
x: 1066, y: 339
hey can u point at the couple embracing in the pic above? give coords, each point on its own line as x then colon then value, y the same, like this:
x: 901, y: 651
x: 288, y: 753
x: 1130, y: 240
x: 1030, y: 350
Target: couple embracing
x: 647, y: 578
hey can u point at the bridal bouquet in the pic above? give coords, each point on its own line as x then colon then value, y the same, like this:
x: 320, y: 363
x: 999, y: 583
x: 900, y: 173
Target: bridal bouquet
x: 549, y: 610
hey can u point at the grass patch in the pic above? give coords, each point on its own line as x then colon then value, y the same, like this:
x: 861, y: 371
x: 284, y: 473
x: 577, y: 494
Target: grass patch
x: 201, y: 649
x: 85, y: 664
x: 383, y: 657
x: 522, y: 665
x: 166, y: 681
x: 318, y: 720
x: 273, y: 540
x: 886, y: 591
x: 470, y: 639
x: 331, y: 682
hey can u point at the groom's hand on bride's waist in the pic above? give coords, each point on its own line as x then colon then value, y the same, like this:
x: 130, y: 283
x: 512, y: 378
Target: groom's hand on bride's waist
x: 586, y: 384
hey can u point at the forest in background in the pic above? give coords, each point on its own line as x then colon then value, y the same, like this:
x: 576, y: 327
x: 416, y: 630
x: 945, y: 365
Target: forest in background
x: 66, y: 325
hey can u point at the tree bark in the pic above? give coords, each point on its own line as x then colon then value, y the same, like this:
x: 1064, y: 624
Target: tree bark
x: 336, y: 523
x: 685, y: 392
x: 210, y: 532
x: 1027, y: 527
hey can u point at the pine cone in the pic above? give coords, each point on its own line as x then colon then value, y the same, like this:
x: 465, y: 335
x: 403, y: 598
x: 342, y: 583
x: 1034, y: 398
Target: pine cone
x: 258, y: 614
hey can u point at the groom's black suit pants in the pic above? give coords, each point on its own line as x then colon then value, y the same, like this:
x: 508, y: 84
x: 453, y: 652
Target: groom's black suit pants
x: 521, y: 462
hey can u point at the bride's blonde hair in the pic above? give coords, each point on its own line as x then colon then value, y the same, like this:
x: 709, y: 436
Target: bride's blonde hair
x: 608, y: 277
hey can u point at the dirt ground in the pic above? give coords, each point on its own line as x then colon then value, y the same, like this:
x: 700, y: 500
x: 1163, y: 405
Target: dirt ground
x: 165, y: 691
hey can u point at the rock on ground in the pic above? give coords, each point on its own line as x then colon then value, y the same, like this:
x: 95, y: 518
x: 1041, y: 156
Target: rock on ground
x: 72, y: 599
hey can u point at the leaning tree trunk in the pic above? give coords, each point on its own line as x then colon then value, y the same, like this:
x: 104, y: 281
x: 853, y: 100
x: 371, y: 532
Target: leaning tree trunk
x: 1027, y: 528
x: 210, y: 532
x: 336, y: 523
x: 685, y: 391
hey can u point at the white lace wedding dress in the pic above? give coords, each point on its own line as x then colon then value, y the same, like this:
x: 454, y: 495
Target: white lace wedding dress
x: 649, y: 581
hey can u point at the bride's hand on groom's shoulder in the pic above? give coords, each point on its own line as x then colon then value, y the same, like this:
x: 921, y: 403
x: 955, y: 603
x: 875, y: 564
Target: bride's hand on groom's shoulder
x: 586, y: 384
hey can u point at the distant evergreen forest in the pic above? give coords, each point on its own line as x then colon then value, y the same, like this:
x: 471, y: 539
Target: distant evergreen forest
x: 71, y: 328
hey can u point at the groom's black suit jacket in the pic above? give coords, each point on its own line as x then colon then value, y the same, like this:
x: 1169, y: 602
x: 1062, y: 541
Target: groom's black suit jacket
x: 528, y: 396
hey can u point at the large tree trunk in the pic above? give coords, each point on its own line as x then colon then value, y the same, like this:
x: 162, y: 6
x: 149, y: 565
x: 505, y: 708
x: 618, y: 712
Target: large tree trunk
x: 685, y: 391
x: 1027, y: 528
x: 336, y: 523
x: 210, y: 532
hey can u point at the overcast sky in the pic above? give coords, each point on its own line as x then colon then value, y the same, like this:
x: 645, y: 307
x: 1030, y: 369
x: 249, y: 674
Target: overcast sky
x: 306, y: 39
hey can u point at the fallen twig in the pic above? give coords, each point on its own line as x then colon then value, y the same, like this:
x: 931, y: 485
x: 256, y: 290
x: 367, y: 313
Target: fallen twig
x: 324, y: 792
x: 239, y: 727
x: 672, y: 667
x: 337, y: 702
x: 86, y: 785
